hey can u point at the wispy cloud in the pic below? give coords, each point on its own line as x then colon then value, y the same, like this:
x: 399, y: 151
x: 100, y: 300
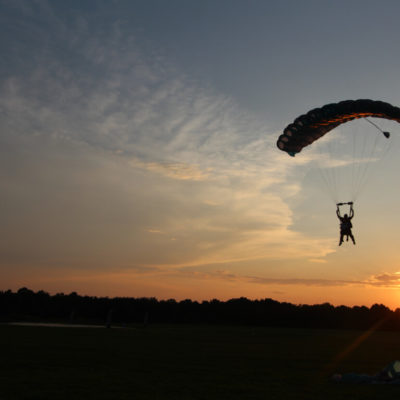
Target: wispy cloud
x: 117, y: 142
x: 384, y: 280
x: 180, y: 171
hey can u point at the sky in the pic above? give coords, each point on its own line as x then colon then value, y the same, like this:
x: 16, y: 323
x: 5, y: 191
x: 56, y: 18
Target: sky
x: 138, y: 149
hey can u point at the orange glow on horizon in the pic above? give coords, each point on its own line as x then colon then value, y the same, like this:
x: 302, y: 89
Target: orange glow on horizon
x: 167, y: 285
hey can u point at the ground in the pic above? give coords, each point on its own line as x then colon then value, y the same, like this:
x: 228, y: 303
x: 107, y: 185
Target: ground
x: 189, y: 362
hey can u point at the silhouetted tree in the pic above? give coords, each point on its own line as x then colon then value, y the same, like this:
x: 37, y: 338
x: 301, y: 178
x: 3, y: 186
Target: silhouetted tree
x: 25, y: 304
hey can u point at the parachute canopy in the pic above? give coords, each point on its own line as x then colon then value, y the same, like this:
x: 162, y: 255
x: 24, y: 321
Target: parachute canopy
x: 311, y: 126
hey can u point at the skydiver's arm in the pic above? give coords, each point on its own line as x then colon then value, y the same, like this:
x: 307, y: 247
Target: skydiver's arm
x: 351, y: 212
x: 338, y: 212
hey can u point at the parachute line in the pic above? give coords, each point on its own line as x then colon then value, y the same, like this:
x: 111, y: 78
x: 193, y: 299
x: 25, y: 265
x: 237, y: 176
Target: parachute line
x: 364, y: 172
x: 345, y: 161
x: 386, y: 134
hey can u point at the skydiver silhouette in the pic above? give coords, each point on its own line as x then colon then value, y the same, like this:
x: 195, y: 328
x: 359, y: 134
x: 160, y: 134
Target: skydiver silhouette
x: 345, y: 223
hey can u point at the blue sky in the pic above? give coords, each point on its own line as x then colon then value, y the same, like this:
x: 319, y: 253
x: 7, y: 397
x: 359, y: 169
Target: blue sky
x: 138, y: 148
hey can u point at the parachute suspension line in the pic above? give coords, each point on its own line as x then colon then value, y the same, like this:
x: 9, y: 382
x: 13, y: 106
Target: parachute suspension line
x: 365, y: 176
x: 334, y: 174
x: 312, y: 126
x: 359, y: 162
x: 327, y: 172
x: 330, y: 190
x: 353, y: 178
x: 344, y: 179
x: 326, y: 178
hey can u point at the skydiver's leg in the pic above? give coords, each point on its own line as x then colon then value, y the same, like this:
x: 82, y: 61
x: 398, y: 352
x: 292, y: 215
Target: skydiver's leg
x: 341, y: 239
x: 352, y: 238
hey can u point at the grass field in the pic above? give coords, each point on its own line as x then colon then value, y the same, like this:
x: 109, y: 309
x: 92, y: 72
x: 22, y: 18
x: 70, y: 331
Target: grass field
x: 190, y: 362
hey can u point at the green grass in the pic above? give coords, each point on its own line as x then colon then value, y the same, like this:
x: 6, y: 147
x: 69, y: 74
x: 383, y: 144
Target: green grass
x: 189, y: 362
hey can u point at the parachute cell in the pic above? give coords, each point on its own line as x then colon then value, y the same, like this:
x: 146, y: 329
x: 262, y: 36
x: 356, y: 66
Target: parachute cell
x: 316, y: 123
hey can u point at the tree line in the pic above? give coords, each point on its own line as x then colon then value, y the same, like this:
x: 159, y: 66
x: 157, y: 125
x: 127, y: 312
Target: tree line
x: 27, y: 305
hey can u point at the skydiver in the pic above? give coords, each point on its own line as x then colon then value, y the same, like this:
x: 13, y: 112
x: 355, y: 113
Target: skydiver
x: 345, y: 223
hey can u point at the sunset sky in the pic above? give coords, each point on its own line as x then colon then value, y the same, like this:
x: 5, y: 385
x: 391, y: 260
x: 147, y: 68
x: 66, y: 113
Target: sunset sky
x: 138, y: 149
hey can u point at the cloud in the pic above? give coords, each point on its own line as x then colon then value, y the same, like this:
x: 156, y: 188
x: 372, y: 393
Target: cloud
x: 119, y: 159
x: 180, y: 171
x: 385, y: 280
x: 317, y: 260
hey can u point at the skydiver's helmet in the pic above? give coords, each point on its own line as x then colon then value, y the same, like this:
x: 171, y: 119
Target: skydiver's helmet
x: 345, y: 216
